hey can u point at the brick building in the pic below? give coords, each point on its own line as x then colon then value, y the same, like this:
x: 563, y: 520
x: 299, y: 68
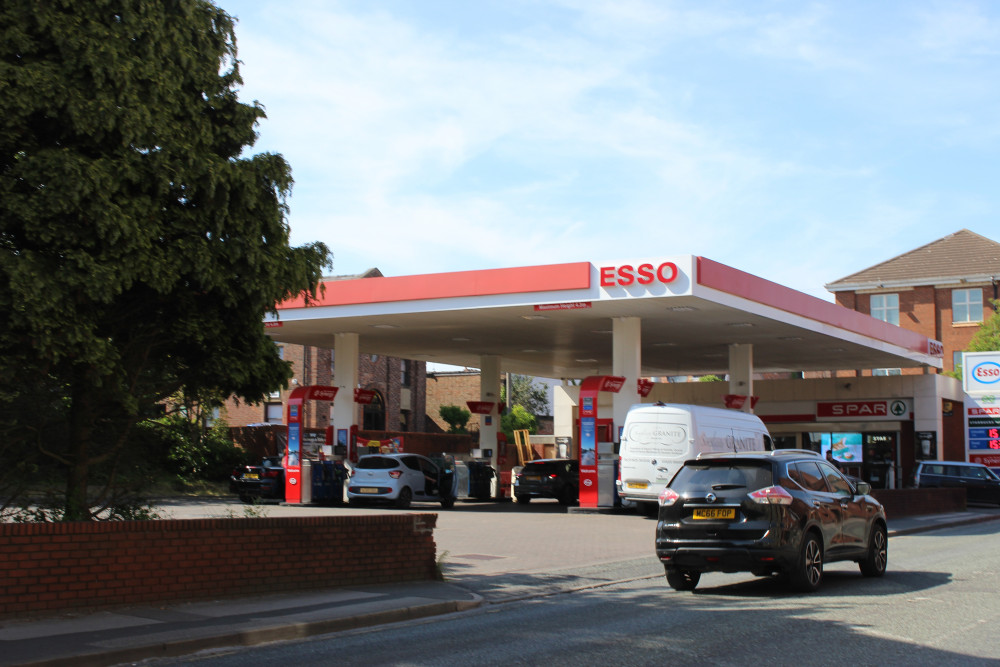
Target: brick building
x: 941, y: 290
x: 399, y: 386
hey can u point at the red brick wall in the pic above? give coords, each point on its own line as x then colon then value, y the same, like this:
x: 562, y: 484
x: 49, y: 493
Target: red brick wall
x: 451, y: 389
x: 911, y: 502
x: 51, y: 567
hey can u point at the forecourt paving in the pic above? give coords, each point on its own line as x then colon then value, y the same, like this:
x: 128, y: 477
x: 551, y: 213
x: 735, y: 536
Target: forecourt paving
x: 490, y: 553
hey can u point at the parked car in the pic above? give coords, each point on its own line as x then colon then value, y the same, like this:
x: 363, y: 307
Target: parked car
x: 253, y: 483
x: 548, y: 478
x: 784, y: 511
x: 981, y: 484
x: 401, y: 479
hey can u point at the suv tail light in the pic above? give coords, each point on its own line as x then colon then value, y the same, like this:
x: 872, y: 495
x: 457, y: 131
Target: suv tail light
x: 270, y: 472
x: 395, y: 474
x: 771, y: 495
x: 668, y: 497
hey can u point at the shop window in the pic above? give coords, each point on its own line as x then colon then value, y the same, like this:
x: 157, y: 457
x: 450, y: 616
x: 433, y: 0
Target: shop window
x: 966, y: 305
x: 273, y: 414
x: 885, y: 307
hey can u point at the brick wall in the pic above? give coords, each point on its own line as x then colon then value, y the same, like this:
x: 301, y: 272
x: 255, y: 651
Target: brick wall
x: 451, y: 389
x: 911, y: 502
x: 54, y: 567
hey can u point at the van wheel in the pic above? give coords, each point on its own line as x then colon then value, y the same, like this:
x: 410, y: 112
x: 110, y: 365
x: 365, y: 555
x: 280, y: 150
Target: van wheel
x: 683, y: 580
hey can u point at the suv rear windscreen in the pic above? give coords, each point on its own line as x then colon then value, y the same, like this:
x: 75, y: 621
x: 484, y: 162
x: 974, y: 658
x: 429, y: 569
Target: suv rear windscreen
x: 723, y: 475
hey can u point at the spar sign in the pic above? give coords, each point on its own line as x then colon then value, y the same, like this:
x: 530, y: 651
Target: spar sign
x: 981, y: 373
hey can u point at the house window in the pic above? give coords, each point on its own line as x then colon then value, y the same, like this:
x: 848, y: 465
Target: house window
x: 887, y: 371
x: 956, y: 360
x: 212, y: 417
x: 967, y: 305
x: 281, y: 351
x: 273, y: 413
x: 404, y: 373
x: 333, y: 365
x: 885, y: 307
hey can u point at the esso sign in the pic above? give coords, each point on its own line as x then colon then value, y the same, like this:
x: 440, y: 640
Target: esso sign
x: 643, y: 274
x: 987, y: 372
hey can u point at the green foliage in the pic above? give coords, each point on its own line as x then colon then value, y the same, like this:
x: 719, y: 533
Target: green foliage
x: 188, y: 451
x: 456, y: 417
x: 518, y: 419
x: 987, y: 339
x: 710, y: 378
x: 141, y: 244
x: 524, y: 392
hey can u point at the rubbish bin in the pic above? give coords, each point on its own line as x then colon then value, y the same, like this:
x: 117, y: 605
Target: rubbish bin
x: 481, y: 475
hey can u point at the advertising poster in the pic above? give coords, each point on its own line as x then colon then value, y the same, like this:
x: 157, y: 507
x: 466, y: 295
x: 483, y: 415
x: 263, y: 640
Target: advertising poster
x: 846, y: 448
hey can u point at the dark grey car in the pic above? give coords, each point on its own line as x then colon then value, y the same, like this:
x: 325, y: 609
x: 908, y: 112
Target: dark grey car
x: 784, y: 512
x: 980, y: 483
x: 548, y: 478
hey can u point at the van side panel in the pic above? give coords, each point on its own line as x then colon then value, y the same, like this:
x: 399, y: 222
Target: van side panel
x: 658, y: 438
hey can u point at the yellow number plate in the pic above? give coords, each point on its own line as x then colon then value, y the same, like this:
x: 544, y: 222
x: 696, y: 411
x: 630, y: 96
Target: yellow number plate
x: 251, y: 475
x: 367, y: 489
x: 637, y: 485
x: 715, y: 513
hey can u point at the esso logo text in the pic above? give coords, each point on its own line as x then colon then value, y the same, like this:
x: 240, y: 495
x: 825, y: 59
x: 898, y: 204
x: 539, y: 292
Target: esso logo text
x: 987, y: 372
x: 643, y: 274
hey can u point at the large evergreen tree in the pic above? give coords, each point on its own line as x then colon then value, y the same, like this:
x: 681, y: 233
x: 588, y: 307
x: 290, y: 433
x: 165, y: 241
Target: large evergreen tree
x: 139, y: 247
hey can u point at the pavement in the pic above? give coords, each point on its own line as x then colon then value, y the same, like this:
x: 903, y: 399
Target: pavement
x: 478, y: 569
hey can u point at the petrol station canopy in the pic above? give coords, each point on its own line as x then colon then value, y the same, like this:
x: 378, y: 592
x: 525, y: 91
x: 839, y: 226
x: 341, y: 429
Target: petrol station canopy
x: 557, y: 320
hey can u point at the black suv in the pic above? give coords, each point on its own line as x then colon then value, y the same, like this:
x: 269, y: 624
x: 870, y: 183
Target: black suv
x: 548, y: 478
x: 781, y: 512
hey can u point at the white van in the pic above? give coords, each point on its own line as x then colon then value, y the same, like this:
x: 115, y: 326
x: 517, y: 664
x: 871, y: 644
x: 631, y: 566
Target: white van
x: 658, y: 437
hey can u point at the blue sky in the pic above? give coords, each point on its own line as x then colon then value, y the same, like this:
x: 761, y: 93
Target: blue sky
x: 798, y: 141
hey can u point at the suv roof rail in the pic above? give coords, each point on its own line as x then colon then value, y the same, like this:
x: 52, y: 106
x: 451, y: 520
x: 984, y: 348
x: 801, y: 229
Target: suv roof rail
x: 796, y: 452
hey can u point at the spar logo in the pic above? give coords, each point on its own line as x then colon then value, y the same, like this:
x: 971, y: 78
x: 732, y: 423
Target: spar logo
x: 987, y: 372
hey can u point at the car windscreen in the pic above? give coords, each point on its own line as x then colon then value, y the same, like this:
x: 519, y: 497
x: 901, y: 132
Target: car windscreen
x: 377, y: 463
x: 722, y: 475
